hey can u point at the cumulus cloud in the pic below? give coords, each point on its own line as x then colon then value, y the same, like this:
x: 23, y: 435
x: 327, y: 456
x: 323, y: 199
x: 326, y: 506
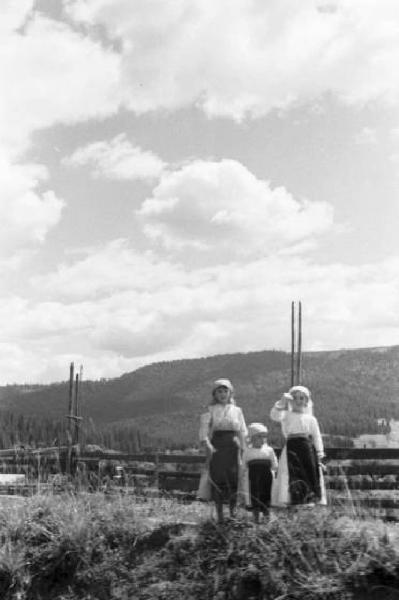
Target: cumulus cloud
x: 75, y: 80
x: 48, y: 74
x: 222, y: 211
x: 203, y: 312
x: 263, y: 56
x: 27, y: 320
x: 113, y: 268
x: 115, y: 308
x: 25, y: 214
x: 14, y: 15
x: 117, y: 159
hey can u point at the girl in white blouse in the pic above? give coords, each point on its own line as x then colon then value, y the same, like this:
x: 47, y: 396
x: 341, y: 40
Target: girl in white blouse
x: 222, y: 433
x: 299, y: 477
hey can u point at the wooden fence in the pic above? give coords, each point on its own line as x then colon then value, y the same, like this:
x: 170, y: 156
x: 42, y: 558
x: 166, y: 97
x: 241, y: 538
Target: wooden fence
x: 363, y: 477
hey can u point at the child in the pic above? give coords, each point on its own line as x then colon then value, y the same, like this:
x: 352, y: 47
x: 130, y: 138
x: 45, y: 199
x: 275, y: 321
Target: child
x: 299, y: 477
x: 222, y: 434
x: 259, y: 466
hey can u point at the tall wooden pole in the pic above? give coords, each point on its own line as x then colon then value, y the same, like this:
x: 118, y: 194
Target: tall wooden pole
x: 70, y: 403
x: 292, y: 343
x: 75, y: 411
x: 69, y: 417
x: 79, y: 410
x: 78, y: 404
x: 299, y: 350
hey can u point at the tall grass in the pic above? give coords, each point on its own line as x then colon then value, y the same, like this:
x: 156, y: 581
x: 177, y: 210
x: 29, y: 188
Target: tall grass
x: 93, y: 547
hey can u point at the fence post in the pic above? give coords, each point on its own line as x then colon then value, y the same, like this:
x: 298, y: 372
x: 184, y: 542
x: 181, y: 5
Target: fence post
x: 38, y: 472
x: 74, y: 421
x: 156, y: 470
x: 70, y: 425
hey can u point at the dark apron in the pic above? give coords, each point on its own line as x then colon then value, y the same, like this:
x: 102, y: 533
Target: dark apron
x: 260, y: 483
x: 223, y: 466
x: 303, y: 470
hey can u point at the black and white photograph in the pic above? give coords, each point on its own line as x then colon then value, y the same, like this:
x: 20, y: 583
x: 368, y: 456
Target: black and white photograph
x: 199, y: 300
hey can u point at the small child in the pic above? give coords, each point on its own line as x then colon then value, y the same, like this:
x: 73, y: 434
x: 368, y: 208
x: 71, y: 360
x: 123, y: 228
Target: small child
x: 259, y: 465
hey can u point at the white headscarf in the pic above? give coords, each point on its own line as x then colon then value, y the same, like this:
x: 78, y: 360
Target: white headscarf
x: 308, y: 410
x: 300, y: 388
x: 256, y: 428
x: 224, y: 383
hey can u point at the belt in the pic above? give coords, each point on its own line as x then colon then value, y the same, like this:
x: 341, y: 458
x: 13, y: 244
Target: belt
x: 303, y: 436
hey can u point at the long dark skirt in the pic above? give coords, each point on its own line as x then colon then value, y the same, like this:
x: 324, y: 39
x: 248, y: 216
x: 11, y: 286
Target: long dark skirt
x: 303, y: 471
x: 260, y: 483
x: 223, y: 467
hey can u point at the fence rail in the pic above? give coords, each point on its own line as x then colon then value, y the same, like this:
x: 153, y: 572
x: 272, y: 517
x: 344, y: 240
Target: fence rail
x: 353, y: 474
x: 331, y: 454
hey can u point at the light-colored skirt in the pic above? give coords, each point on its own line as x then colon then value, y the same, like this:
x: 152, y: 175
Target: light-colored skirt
x: 281, y: 490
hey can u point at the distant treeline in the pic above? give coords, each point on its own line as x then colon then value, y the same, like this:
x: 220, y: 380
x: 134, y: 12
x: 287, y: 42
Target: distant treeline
x: 19, y: 430
x: 31, y: 432
x: 160, y: 404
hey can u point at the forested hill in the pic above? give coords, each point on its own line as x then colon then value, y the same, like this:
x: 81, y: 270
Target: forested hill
x: 351, y: 389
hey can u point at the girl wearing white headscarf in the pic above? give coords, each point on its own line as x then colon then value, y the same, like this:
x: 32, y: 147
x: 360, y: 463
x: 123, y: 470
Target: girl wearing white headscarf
x: 222, y: 433
x: 299, y: 476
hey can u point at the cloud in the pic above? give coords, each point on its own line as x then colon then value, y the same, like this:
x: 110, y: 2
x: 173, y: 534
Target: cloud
x: 367, y: 136
x: 117, y: 159
x: 197, y: 313
x: 48, y: 74
x: 105, y: 271
x: 228, y: 252
x: 25, y: 320
x: 240, y: 58
x: 143, y: 338
x: 14, y: 15
x: 394, y: 157
x: 26, y: 215
x: 222, y: 212
x: 76, y: 80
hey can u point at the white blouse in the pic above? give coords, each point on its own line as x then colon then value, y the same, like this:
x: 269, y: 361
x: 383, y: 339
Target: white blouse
x: 221, y: 417
x: 293, y: 423
x: 266, y: 452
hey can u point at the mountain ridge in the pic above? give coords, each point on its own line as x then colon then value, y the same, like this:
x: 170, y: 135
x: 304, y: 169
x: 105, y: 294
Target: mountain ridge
x: 351, y: 389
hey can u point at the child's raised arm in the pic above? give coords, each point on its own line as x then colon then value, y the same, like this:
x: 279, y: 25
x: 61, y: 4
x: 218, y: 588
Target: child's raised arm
x: 280, y: 408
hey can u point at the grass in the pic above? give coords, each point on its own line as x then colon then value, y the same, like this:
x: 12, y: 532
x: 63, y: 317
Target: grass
x: 93, y: 547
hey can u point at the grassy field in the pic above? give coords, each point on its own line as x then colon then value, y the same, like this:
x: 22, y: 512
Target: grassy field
x: 94, y: 547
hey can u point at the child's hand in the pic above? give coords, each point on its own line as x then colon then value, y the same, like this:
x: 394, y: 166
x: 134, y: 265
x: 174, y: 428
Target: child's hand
x: 283, y: 402
x: 210, y: 449
x: 237, y: 441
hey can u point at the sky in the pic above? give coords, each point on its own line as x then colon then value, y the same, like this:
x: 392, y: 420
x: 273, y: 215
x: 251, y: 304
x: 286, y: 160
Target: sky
x: 174, y: 174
